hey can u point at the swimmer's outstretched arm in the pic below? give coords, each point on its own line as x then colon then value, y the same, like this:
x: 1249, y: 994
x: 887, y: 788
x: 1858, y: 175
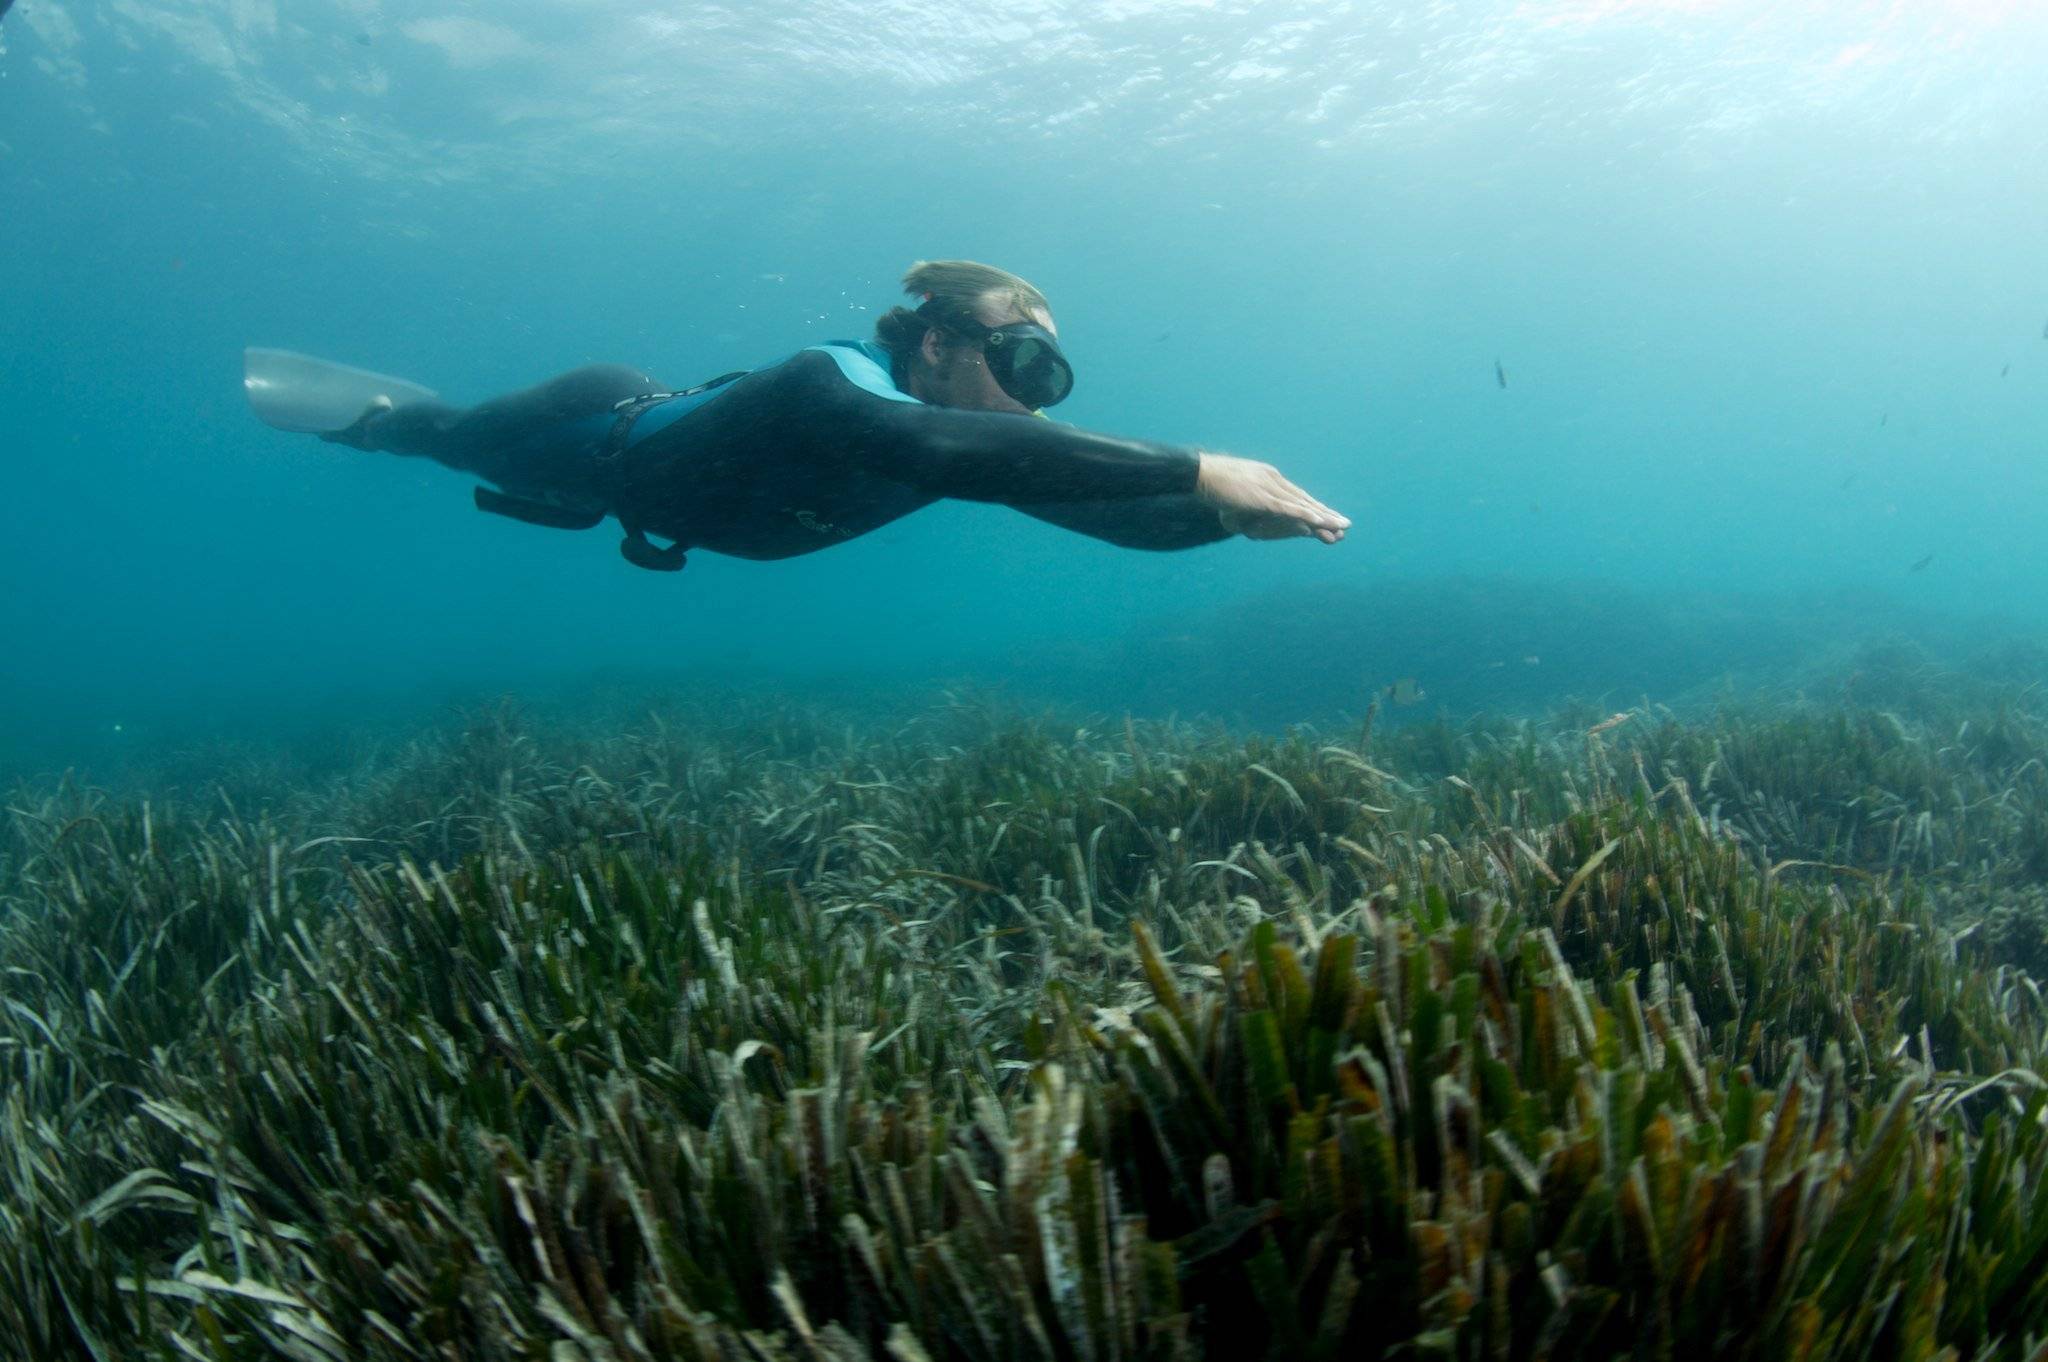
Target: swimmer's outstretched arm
x: 991, y: 456
x: 1182, y: 520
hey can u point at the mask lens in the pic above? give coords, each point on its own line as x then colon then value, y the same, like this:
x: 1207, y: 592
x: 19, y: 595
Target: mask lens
x: 1033, y: 372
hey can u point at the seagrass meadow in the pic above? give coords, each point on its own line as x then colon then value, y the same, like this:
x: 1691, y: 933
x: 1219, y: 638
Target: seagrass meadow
x: 997, y: 902
x: 746, y: 1031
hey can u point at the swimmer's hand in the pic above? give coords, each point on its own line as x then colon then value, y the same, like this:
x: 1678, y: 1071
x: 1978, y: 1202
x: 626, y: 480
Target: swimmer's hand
x: 1254, y: 500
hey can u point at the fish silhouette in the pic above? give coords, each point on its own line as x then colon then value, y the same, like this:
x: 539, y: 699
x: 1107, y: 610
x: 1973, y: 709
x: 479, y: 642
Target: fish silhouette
x: 1500, y: 375
x: 1406, y: 691
x: 1921, y: 564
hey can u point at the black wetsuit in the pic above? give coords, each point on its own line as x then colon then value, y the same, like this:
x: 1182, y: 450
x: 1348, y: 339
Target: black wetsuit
x: 796, y: 457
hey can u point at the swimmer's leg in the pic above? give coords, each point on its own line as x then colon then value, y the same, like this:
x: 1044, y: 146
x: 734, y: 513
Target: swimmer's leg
x: 489, y: 438
x: 535, y: 444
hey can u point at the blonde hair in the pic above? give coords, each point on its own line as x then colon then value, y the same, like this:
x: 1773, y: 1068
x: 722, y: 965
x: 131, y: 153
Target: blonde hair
x: 960, y: 283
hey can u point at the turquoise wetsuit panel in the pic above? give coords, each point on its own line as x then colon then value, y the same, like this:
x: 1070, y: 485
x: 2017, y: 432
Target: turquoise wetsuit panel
x: 866, y: 366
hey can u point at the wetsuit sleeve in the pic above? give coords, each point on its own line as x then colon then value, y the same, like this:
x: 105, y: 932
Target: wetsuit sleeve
x: 1181, y: 521
x: 990, y: 456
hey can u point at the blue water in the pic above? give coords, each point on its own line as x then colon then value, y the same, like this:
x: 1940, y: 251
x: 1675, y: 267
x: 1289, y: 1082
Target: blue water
x: 1767, y: 283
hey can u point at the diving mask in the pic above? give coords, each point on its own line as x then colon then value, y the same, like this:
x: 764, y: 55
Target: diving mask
x: 1024, y: 359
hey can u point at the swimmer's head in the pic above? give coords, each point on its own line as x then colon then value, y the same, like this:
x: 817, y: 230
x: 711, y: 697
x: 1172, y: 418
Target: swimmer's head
x: 981, y: 339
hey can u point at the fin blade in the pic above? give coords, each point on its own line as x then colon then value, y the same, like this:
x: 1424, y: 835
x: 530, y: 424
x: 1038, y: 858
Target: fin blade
x: 291, y: 391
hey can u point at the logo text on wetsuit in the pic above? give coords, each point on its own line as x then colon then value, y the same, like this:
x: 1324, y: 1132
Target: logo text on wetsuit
x: 809, y: 520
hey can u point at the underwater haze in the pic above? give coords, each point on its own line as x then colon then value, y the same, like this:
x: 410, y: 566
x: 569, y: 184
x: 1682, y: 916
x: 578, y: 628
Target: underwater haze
x: 1597, y: 317
x: 1598, y: 908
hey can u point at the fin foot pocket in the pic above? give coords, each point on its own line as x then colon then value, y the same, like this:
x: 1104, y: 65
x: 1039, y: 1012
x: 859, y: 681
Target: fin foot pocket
x: 533, y: 512
x: 636, y: 549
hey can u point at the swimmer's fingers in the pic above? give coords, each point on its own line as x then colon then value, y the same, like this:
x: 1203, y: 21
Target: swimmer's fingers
x: 1253, y: 489
x: 1310, y: 511
x: 1270, y: 525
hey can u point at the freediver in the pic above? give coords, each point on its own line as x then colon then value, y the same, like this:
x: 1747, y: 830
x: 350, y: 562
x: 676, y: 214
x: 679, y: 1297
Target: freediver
x: 837, y: 440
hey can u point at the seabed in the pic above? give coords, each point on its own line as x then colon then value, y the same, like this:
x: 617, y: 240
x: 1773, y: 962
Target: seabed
x: 754, y: 1032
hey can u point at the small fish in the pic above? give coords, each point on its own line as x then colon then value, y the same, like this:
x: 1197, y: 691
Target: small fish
x: 1406, y: 691
x: 1611, y: 721
x: 2006, y: 370
x: 363, y: 40
x: 1884, y: 418
x: 2044, y: 325
x: 1846, y: 481
x: 1922, y: 564
x: 1532, y: 660
x: 1500, y: 375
